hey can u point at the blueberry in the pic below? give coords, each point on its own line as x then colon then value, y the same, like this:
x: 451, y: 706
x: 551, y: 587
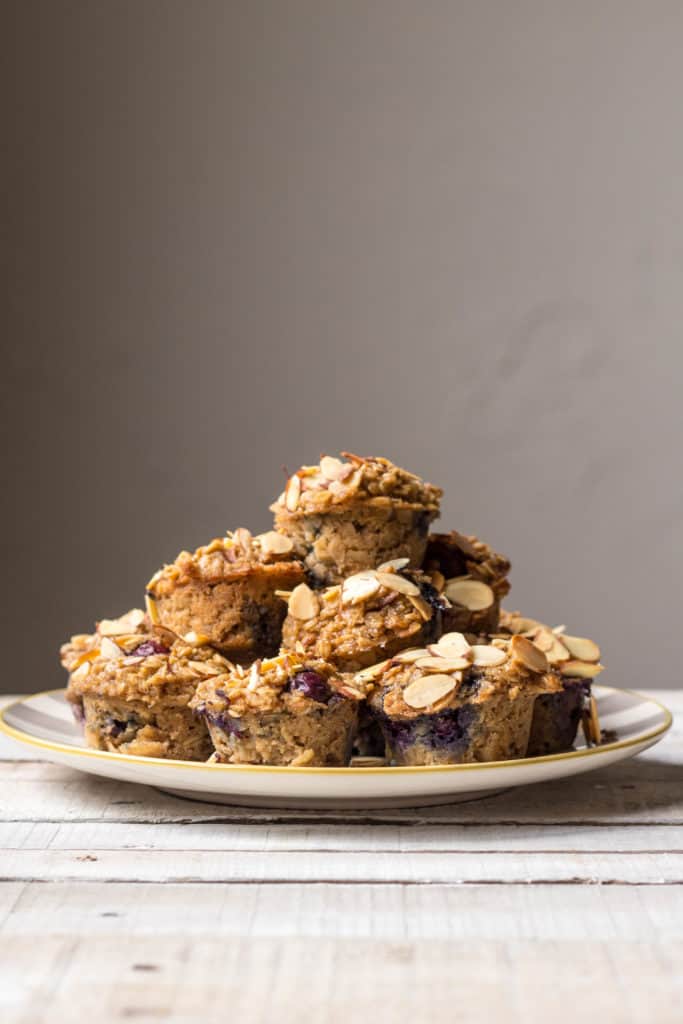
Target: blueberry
x: 149, y: 647
x: 312, y: 685
x: 115, y: 726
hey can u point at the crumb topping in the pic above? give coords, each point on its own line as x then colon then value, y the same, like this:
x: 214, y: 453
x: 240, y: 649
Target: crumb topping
x: 333, y: 483
x: 236, y: 555
x: 286, y: 682
x: 143, y: 666
x: 574, y: 657
x: 133, y: 622
x: 452, y: 671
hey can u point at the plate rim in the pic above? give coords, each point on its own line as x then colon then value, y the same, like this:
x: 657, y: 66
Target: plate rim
x: 386, y: 770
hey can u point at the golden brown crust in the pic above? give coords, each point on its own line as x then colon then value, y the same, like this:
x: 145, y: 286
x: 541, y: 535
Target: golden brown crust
x: 456, y: 554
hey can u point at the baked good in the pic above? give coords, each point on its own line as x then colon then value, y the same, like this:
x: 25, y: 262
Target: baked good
x: 70, y: 653
x: 132, y: 694
x: 343, y: 517
x: 576, y: 662
x: 285, y: 710
x: 473, y: 577
x: 456, y: 703
x: 370, y: 616
x: 226, y: 593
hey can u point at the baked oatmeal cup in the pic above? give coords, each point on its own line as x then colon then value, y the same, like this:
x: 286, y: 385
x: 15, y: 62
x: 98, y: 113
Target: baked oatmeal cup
x: 132, y: 695
x: 575, y: 660
x: 456, y: 703
x: 226, y: 593
x: 286, y: 710
x: 370, y: 616
x: 343, y: 517
x: 472, y: 576
x: 133, y: 622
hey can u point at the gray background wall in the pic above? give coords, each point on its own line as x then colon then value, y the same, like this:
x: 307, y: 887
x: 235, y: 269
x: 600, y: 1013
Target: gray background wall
x: 239, y: 234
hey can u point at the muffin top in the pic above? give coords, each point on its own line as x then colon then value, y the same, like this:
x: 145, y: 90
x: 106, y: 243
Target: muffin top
x: 573, y: 657
x: 333, y: 484
x: 234, y: 556
x: 451, y: 672
x: 144, y: 667
x: 368, y: 610
x: 287, y: 682
x: 133, y: 622
x: 456, y: 556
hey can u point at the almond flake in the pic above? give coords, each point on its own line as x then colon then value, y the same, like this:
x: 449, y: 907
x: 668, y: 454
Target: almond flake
x: 471, y: 594
x: 595, y: 720
x: 196, y: 639
x: 393, y: 581
x: 428, y: 690
x: 452, y: 645
x: 443, y: 664
x: 127, y: 623
x: 581, y: 669
x: 203, y: 668
x: 331, y: 468
x: 254, y: 676
x: 292, y: 493
x: 410, y: 656
x: 133, y: 659
x: 557, y: 653
x: 367, y: 675
x: 523, y: 651
x: 152, y: 610
x: 395, y: 563
x: 421, y: 606
x: 108, y: 649
x: 82, y: 670
x: 303, y: 604
x: 559, y: 630
x: 359, y: 587
x: 485, y: 655
x: 274, y: 543
x: 367, y: 762
x: 350, y: 692
x: 438, y: 580
x: 581, y: 647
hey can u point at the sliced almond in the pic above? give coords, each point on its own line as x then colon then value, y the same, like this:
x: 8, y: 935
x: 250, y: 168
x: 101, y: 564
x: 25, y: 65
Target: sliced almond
x: 152, y: 610
x: 292, y: 493
x: 274, y: 543
x: 359, y: 587
x: 367, y: 762
x: 351, y: 692
x: 367, y: 675
x: 581, y: 647
x: 438, y: 580
x: 203, y: 668
x: 410, y: 656
x: 452, y: 645
x: 196, y: 639
x: 471, y: 594
x: 331, y: 468
x: 485, y: 654
x: 559, y: 630
x: 395, y: 563
x: 82, y: 671
x: 108, y: 649
x: 133, y: 659
x: 523, y: 651
x: 421, y: 606
x: 428, y: 690
x: 254, y: 676
x: 303, y: 604
x: 284, y: 594
x: 551, y: 645
x: 443, y: 664
x: 393, y: 581
x: 127, y: 623
x: 581, y: 669
x: 595, y: 720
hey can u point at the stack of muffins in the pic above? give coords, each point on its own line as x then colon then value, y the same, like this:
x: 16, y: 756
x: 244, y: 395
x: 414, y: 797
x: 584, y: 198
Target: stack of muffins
x: 348, y: 634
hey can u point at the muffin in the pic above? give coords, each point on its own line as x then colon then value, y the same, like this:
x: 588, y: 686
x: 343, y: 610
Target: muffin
x: 132, y: 694
x: 71, y: 654
x: 473, y: 577
x: 456, y: 703
x: 343, y: 517
x: 370, y: 616
x: 576, y: 662
x: 226, y: 593
x: 286, y: 710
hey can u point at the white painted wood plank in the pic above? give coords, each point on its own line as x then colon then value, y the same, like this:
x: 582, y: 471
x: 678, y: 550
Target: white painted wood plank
x: 634, y: 792
x: 510, y: 839
x: 453, y: 867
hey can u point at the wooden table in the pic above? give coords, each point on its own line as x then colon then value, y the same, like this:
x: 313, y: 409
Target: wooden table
x: 552, y: 903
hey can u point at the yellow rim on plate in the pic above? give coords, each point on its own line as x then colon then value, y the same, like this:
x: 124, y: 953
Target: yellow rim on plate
x: 107, y: 755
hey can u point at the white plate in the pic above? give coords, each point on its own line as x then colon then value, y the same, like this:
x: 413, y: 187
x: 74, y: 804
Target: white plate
x: 44, y: 720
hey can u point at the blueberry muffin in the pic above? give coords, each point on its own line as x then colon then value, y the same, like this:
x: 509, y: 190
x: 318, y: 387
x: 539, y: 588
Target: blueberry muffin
x: 370, y: 616
x: 83, y: 645
x: 472, y: 576
x: 576, y: 662
x: 455, y: 703
x: 132, y: 694
x: 343, y: 517
x: 226, y: 593
x: 286, y: 710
